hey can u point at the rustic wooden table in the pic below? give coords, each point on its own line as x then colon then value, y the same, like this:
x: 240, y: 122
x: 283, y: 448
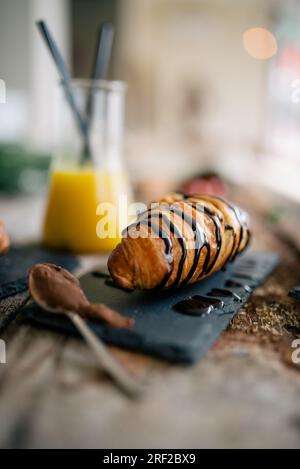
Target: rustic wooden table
x: 245, y: 393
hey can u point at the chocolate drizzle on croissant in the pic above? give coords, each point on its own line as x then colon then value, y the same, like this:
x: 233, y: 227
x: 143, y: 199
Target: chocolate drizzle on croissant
x: 168, y: 247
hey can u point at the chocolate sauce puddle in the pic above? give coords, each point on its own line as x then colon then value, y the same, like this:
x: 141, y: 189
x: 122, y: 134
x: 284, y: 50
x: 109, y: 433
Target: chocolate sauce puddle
x: 215, y: 302
x: 222, y: 292
x: 198, y: 305
x: 235, y: 284
x: 193, y: 307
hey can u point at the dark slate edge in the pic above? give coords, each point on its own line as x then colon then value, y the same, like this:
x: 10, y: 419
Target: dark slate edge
x: 12, y: 288
x: 38, y: 254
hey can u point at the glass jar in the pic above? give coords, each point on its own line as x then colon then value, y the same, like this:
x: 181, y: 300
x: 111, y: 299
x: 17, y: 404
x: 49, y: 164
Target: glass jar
x: 88, y: 182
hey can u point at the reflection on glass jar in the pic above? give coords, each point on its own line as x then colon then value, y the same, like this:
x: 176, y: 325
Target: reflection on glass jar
x: 87, y: 169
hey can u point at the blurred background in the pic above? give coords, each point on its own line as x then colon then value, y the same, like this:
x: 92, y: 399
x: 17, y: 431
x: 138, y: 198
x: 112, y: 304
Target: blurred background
x: 202, y: 95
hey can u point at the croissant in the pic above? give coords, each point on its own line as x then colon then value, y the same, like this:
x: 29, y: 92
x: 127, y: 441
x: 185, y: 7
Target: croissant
x: 177, y: 241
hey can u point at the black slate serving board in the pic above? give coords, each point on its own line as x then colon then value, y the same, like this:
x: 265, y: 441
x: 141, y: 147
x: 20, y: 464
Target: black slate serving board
x: 14, y: 266
x: 159, y: 329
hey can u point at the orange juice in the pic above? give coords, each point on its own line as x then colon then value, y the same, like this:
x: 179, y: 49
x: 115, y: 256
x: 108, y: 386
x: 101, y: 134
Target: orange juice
x: 73, y: 218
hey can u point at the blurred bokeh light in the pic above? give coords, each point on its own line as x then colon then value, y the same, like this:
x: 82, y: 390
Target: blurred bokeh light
x: 260, y: 43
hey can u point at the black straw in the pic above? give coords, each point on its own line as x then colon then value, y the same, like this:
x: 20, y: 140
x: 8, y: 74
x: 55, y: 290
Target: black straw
x: 100, y: 68
x: 65, y: 77
x: 101, y: 61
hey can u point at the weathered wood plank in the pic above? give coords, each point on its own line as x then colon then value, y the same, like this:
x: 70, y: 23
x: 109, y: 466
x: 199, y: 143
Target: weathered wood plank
x: 210, y: 405
x: 32, y: 358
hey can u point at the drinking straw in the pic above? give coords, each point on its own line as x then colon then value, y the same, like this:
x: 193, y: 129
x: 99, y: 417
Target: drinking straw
x: 65, y: 77
x: 101, y: 61
x: 99, y: 71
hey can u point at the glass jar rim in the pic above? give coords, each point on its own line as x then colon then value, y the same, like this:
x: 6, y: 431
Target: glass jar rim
x: 106, y: 85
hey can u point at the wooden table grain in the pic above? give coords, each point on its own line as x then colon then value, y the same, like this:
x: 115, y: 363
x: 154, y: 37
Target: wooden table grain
x: 244, y: 393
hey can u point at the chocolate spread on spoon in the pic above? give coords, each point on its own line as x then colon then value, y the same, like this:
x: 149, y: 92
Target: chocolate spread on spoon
x: 57, y: 290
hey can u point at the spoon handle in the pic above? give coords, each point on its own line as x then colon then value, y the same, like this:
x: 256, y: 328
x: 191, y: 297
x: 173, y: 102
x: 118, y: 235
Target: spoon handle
x: 107, y: 361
